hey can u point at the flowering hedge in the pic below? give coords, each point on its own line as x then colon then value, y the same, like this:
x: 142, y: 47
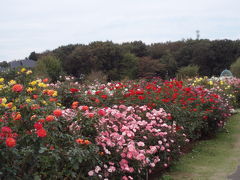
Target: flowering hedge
x: 112, y: 131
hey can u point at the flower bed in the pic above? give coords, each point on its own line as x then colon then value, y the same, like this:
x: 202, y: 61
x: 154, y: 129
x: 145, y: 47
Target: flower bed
x: 112, y: 131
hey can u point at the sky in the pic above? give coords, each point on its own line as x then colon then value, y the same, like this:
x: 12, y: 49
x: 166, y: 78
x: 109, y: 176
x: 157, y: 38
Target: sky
x: 29, y: 25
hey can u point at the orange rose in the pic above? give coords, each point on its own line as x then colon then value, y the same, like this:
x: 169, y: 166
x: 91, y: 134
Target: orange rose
x: 50, y: 118
x: 75, y: 104
x: 57, y: 112
x: 79, y: 141
x: 16, y: 116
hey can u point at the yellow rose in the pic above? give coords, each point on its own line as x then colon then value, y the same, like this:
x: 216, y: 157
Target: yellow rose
x: 1, y: 80
x: 33, y: 83
x: 28, y: 100
x: 55, y: 94
x: 29, y: 72
x: 4, y: 100
x: 12, y: 82
x: 23, y: 70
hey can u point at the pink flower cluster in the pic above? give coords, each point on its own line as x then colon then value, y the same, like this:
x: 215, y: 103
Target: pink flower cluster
x: 135, y: 138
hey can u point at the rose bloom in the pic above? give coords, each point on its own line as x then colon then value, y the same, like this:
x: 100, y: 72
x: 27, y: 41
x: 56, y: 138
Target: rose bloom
x: 52, y: 99
x: 79, y: 141
x: 17, y: 88
x: 10, y: 142
x: 101, y: 112
x: 75, y: 104
x: 6, y: 129
x: 45, y: 80
x: 38, y: 125
x: 41, y: 132
x: 50, y: 92
x: 73, y: 90
x: 90, y: 115
x: 57, y: 112
x: 50, y: 118
x: 17, y: 116
x: 84, y: 108
x: 35, y: 96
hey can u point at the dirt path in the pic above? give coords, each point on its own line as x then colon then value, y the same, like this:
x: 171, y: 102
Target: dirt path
x: 215, y: 159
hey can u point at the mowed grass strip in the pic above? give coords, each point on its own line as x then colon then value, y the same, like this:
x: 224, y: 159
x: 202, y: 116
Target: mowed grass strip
x: 213, y: 159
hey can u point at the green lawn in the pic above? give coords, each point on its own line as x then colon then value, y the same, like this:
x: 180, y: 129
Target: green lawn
x: 213, y: 159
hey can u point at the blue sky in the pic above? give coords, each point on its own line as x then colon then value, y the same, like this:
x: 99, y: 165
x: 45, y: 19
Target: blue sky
x: 28, y: 25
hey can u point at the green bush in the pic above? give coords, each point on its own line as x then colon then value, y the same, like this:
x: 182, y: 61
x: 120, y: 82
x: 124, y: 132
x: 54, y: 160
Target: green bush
x: 49, y: 66
x: 188, y: 71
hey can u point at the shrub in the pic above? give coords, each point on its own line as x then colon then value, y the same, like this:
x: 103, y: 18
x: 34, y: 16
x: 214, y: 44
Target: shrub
x: 188, y: 71
x: 49, y: 66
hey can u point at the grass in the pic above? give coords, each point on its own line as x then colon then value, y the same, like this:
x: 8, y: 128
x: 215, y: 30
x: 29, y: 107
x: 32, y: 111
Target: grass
x: 213, y: 159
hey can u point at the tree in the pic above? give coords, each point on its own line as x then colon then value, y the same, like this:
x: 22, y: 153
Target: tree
x: 33, y: 56
x: 4, y: 64
x: 49, y: 66
x: 138, y: 48
x: 235, y: 68
x: 148, y: 67
x: 128, y: 66
x: 170, y: 64
x: 80, y: 61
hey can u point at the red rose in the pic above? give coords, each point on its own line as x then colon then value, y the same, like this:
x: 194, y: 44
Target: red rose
x: 73, y: 90
x: 6, y: 129
x: 38, y: 125
x: 101, y: 112
x: 41, y: 132
x: 17, y: 88
x: 10, y: 142
x: 104, y: 96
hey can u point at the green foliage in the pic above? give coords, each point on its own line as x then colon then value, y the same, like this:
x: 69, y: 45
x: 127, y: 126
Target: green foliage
x: 188, y: 71
x: 49, y: 66
x: 235, y: 68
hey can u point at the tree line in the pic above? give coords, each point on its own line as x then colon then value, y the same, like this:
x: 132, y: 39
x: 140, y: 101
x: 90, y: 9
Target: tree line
x: 136, y: 59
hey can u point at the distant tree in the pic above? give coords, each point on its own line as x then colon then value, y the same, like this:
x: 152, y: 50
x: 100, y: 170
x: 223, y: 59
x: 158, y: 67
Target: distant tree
x: 79, y: 62
x: 33, y: 56
x: 189, y: 71
x: 148, y: 67
x: 4, y: 64
x: 128, y: 66
x: 170, y: 64
x: 235, y: 68
x: 49, y: 66
x: 138, y: 48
